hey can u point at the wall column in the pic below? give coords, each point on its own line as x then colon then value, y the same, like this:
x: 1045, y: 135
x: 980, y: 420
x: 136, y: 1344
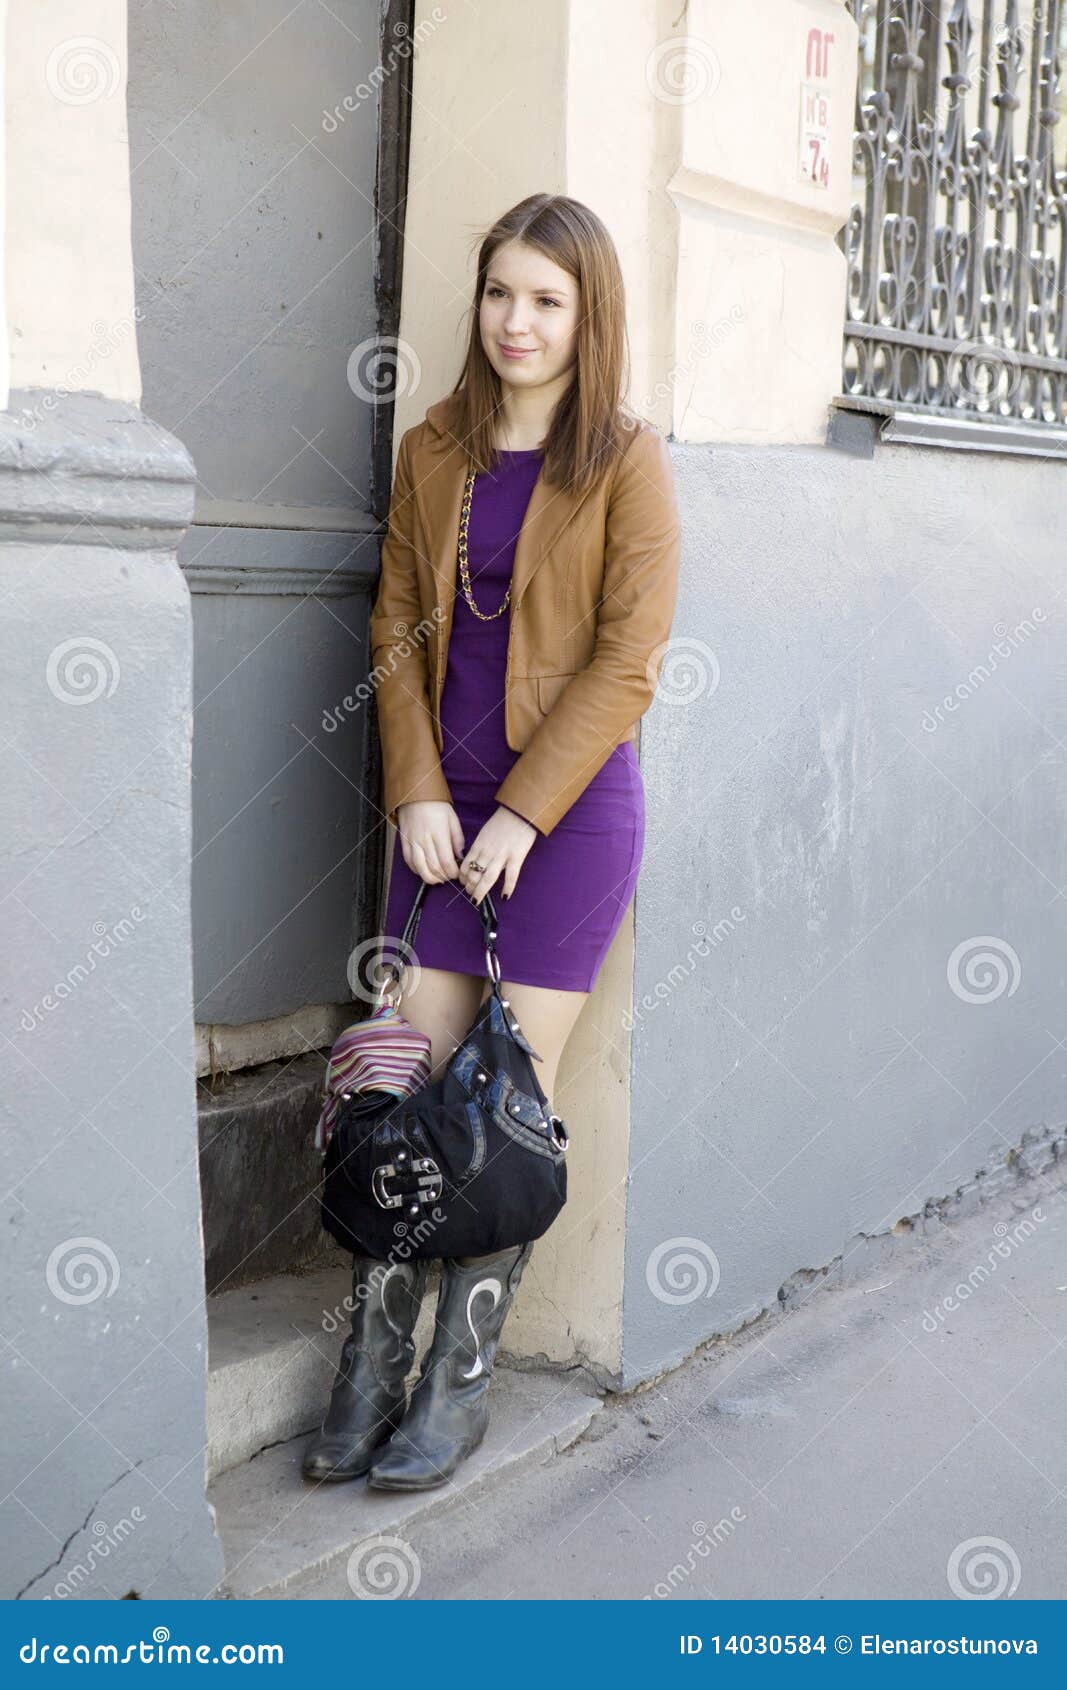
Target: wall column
x: 103, y: 1321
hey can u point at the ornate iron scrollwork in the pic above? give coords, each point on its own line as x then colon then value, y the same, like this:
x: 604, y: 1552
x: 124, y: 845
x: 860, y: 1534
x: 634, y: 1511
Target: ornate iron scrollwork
x: 957, y: 245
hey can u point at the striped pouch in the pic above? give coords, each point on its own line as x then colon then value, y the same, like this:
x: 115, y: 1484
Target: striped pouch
x: 383, y: 1053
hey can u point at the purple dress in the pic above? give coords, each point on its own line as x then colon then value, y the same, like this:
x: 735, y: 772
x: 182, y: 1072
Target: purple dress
x: 576, y: 882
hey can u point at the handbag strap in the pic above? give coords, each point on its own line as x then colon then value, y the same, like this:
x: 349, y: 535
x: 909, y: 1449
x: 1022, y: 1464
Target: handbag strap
x: 486, y: 909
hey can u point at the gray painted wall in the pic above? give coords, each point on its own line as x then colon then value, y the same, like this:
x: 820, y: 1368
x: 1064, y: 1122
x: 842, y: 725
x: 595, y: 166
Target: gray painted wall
x: 280, y: 816
x: 254, y: 241
x: 804, y: 1072
x: 253, y: 190
x: 104, y: 1326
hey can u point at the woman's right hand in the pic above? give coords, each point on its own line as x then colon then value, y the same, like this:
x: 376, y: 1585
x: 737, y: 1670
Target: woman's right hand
x: 431, y: 839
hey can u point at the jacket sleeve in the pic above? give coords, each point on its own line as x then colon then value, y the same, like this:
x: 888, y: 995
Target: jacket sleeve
x: 640, y: 590
x: 400, y: 670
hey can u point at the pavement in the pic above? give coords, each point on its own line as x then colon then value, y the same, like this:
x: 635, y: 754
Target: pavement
x: 898, y: 1435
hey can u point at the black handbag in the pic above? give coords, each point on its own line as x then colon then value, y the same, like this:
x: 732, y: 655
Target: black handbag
x: 469, y: 1164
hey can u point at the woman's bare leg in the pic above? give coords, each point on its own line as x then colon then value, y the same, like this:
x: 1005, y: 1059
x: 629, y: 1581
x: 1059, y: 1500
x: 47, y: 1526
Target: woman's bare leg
x: 445, y: 1002
x: 547, y: 1018
x: 442, y: 1005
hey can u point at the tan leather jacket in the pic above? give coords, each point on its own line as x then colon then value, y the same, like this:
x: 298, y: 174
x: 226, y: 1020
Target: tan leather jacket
x: 593, y: 594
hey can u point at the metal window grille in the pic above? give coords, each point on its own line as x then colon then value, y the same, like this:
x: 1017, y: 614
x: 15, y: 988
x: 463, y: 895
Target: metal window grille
x: 957, y: 241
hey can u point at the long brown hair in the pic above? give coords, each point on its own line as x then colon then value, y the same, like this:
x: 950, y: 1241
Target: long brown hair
x: 590, y: 426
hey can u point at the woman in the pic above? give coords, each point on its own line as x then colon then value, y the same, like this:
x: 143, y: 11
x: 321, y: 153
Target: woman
x: 507, y: 701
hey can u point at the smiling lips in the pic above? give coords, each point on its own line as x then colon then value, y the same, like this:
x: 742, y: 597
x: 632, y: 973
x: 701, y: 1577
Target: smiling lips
x: 517, y: 351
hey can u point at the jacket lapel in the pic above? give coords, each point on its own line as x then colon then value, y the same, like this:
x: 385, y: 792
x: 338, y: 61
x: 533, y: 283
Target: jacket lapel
x: 439, y: 473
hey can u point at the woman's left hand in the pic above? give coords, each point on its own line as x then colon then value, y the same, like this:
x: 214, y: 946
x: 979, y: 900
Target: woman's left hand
x: 501, y: 846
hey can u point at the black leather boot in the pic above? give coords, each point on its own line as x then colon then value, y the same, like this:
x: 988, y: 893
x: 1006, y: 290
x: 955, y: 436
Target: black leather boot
x: 449, y: 1412
x: 368, y: 1396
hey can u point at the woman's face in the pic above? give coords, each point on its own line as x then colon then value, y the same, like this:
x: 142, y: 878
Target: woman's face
x: 529, y: 305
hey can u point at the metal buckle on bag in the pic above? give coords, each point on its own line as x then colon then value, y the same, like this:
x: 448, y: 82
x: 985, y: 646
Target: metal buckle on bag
x: 559, y: 1132
x: 492, y: 962
x: 429, y: 1182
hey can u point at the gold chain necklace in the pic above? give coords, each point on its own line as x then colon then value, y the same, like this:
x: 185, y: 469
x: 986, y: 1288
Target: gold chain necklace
x: 464, y: 560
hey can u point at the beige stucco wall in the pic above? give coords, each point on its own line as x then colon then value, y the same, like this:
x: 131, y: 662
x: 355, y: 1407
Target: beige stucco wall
x: 68, y: 260
x: 532, y: 119
x: 760, y: 296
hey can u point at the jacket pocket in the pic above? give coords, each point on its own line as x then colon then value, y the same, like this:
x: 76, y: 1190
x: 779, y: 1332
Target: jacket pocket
x: 549, y: 688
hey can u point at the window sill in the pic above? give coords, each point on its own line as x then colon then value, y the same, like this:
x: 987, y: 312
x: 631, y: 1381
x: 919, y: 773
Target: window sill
x: 857, y: 423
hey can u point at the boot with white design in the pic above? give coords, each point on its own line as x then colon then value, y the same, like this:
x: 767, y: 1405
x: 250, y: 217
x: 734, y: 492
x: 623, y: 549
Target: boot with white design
x: 448, y: 1415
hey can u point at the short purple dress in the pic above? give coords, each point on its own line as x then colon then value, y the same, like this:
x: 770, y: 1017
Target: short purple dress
x: 576, y: 882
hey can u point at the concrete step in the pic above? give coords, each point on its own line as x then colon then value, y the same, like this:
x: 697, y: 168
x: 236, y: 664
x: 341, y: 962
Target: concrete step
x: 258, y: 1163
x: 278, y: 1531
